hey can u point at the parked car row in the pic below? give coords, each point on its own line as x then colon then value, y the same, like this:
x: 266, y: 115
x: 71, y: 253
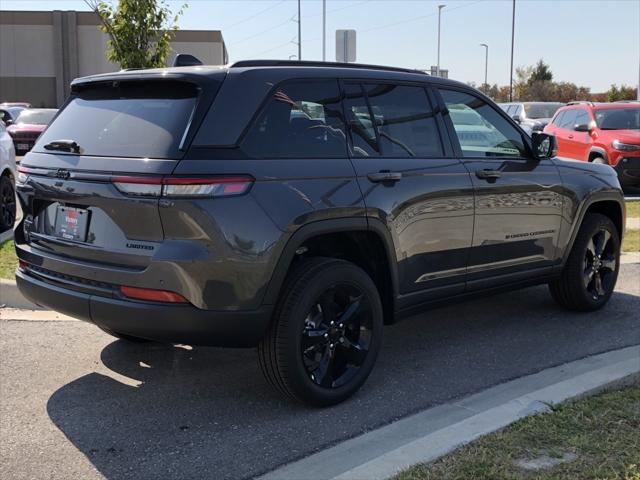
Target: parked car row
x: 607, y: 133
x: 25, y: 124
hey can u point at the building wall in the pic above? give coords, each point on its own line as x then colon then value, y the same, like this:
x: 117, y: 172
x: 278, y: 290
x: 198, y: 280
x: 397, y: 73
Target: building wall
x: 42, y: 52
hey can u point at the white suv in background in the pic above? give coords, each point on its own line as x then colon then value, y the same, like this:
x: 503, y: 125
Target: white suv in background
x: 7, y: 180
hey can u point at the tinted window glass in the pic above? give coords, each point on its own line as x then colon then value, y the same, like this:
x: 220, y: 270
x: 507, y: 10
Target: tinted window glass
x: 618, y: 118
x: 569, y: 119
x: 302, y: 119
x: 126, y: 119
x: 582, y: 117
x: 363, y: 134
x: 481, y: 130
x: 541, y: 110
x: 404, y: 120
x: 558, y: 120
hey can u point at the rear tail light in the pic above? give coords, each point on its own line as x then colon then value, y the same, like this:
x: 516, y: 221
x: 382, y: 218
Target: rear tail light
x: 197, y: 187
x: 22, y: 265
x: 152, y: 295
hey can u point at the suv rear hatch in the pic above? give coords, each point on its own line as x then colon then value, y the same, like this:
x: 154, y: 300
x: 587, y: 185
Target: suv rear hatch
x: 90, y: 187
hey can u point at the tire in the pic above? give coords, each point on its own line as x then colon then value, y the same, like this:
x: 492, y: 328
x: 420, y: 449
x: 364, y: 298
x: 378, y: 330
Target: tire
x: 589, y: 276
x: 122, y: 336
x: 7, y: 203
x: 599, y: 160
x: 322, y: 356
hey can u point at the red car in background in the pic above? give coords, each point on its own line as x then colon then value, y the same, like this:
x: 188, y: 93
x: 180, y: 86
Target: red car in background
x: 601, y: 133
x: 28, y: 126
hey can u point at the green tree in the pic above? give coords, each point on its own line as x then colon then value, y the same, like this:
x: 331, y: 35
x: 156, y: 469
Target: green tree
x: 139, y: 31
x: 540, y: 73
x: 623, y: 93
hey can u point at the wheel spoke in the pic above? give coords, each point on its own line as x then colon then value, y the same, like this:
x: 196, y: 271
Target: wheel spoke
x: 351, y: 311
x: 323, y: 375
x: 587, y: 276
x: 609, y: 263
x: 601, y: 241
x: 354, y: 352
x: 598, y: 285
x: 591, y: 248
x: 328, y: 306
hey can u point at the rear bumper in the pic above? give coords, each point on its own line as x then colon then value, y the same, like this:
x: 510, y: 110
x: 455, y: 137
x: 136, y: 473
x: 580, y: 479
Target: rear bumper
x: 154, y: 321
x: 628, y: 169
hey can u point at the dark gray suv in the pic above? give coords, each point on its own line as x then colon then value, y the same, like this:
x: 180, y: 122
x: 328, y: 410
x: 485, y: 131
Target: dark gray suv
x: 299, y: 206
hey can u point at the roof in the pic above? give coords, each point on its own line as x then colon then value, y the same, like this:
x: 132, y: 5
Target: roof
x: 296, y: 68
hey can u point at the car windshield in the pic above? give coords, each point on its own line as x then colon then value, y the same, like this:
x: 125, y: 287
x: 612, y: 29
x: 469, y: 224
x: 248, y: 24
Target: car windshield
x: 541, y: 110
x: 618, y: 118
x: 36, y: 117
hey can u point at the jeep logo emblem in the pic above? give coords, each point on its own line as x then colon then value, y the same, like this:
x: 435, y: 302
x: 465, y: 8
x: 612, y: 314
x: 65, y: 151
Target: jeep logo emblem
x: 63, y: 174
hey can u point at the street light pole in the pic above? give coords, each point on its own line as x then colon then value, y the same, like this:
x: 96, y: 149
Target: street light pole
x: 513, y: 31
x: 324, y: 30
x: 299, y: 33
x: 486, y: 65
x: 440, y: 7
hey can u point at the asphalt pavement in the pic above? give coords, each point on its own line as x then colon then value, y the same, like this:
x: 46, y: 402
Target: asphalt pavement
x: 76, y: 403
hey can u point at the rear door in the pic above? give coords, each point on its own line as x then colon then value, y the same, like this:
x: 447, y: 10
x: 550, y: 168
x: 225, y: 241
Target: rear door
x: 89, y: 186
x: 518, y: 202
x: 412, y: 184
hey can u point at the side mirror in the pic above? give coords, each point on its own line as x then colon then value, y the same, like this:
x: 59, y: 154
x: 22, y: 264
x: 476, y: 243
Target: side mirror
x: 544, y: 145
x: 517, y: 118
x: 582, y: 127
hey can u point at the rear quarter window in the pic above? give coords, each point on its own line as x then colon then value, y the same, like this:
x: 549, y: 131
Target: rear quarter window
x: 126, y: 119
x: 301, y: 119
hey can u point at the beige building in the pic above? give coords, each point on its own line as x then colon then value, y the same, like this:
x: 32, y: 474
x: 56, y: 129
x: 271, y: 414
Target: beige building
x: 41, y: 52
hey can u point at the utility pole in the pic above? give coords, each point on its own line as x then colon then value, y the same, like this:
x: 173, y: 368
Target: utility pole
x: 513, y: 32
x: 299, y: 33
x: 486, y: 65
x: 440, y: 7
x: 324, y: 30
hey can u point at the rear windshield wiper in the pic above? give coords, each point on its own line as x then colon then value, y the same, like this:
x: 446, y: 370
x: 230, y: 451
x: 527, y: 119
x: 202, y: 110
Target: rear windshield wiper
x: 63, y: 146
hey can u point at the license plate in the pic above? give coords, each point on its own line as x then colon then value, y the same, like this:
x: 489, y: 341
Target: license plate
x: 23, y: 146
x: 71, y: 223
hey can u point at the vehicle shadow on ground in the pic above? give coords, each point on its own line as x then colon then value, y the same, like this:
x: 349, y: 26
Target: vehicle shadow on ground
x: 175, y: 412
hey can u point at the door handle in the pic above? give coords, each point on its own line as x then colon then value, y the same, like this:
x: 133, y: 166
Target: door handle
x: 489, y: 175
x: 384, y: 176
x: 569, y: 136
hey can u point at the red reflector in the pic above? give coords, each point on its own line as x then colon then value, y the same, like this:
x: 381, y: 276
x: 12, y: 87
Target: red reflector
x: 152, y: 295
x: 22, y: 265
x: 137, y: 180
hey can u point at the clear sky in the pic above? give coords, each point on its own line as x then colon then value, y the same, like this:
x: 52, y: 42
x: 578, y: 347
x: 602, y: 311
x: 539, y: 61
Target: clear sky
x: 589, y: 42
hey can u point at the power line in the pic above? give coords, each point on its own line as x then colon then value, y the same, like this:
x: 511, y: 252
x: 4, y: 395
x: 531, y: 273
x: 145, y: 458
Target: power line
x: 250, y: 17
x: 286, y: 22
x: 415, y: 19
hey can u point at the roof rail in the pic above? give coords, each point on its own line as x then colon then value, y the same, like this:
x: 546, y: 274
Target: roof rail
x: 581, y: 102
x: 309, y: 63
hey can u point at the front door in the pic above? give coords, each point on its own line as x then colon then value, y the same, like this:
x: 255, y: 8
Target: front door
x: 413, y: 184
x: 518, y: 203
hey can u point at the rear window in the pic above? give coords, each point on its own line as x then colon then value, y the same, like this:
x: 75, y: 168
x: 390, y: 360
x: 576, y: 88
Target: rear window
x: 126, y: 119
x: 36, y: 117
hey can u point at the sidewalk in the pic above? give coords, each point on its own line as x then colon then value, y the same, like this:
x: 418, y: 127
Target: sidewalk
x: 430, y: 434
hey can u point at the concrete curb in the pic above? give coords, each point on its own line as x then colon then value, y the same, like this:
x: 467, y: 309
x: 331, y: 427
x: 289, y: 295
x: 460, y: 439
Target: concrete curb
x: 430, y: 434
x: 11, y: 297
x: 5, y: 236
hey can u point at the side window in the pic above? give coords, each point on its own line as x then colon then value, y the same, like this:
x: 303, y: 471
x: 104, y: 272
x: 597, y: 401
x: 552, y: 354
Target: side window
x: 404, y: 121
x: 569, y: 119
x: 363, y: 133
x: 302, y: 119
x: 558, y: 120
x: 582, y: 117
x: 481, y: 130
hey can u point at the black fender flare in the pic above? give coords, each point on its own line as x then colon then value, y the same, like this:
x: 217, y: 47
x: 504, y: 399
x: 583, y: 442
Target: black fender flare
x: 321, y: 227
x: 600, y: 151
x: 598, y: 197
